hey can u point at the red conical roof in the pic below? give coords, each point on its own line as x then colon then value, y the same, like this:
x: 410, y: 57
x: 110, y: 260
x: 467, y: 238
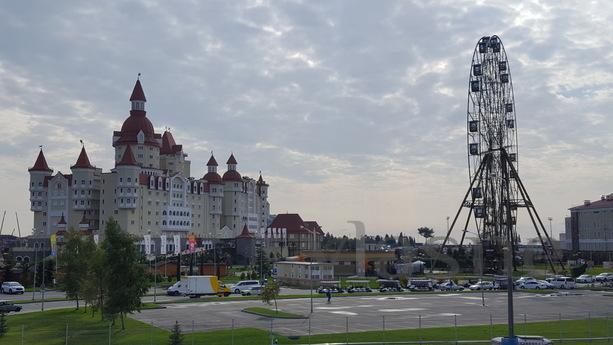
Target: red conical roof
x: 212, y: 161
x: 41, y: 163
x: 82, y: 161
x: 231, y: 160
x: 245, y: 233
x: 138, y: 94
x: 127, y: 158
x: 62, y: 221
x: 261, y: 181
x: 169, y: 146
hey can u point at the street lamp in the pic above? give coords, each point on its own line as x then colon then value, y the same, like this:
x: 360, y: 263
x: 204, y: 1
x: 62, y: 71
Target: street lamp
x: 550, y: 228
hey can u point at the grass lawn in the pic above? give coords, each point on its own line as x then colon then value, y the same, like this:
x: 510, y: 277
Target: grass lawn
x: 49, y: 328
x: 272, y: 313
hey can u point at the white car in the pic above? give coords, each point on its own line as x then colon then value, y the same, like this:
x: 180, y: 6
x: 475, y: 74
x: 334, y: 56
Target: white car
x: 450, y: 286
x: 585, y: 279
x: 12, y: 287
x: 483, y: 286
x: 604, y: 277
x: 560, y: 282
x: 244, y: 285
x: 255, y: 290
x: 535, y: 285
x: 522, y: 280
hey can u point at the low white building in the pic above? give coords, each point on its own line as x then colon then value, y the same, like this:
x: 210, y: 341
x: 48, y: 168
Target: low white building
x: 301, y: 273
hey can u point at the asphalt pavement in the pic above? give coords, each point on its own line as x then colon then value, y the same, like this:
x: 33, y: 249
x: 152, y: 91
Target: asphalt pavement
x: 375, y: 312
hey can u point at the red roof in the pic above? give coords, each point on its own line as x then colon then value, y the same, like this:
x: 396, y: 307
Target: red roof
x: 261, y: 181
x: 245, y: 233
x: 212, y: 177
x: 169, y: 146
x: 231, y: 175
x: 41, y: 163
x: 62, y: 221
x: 136, y: 122
x: 127, y: 158
x: 138, y: 94
x: 294, y: 224
x: 313, y: 226
x: 82, y: 161
x: 231, y: 160
x: 212, y: 161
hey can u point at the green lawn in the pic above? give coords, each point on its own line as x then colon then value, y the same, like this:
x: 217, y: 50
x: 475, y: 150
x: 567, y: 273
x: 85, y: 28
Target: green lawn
x: 49, y: 328
x: 272, y: 313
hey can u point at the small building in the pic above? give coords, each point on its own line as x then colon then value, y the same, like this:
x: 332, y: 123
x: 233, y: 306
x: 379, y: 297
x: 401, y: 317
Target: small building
x: 289, y: 235
x: 303, y: 274
x: 375, y: 263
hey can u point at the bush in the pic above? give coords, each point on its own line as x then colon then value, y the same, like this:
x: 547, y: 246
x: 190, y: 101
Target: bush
x: 242, y: 275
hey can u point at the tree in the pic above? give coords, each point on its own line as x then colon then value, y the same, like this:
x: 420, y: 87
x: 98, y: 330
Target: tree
x: 426, y: 232
x: 126, y: 277
x: 176, y: 337
x: 270, y: 292
x: 73, y: 257
x: 93, y: 283
x: 3, y: 326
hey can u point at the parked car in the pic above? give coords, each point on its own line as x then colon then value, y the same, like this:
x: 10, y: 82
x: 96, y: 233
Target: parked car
x: 483, y: 286
x: 450, y: 286
x: 545, y: 284
x: 560, y: 282
x: 332, y: 289
x: 535, y: 285
x: 255, y: 290
x: 7, y: 307
x: 421, y: 285
x: 522, y: 280
x: 585, y: 279
x: 244, y: 285
x: 525, y: 340
x: 604, y: 277
x: 389, y: 285
x: 353, y: 289
x: 12, y: 287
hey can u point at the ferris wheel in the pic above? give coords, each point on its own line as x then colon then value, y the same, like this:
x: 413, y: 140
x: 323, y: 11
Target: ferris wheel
x: 491, y: 130
x: 496, y: 190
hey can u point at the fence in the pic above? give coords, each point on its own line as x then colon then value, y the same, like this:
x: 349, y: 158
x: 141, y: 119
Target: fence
x: 413, y: 328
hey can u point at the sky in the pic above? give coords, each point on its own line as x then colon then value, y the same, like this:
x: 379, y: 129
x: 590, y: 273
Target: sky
x: 352, y: 110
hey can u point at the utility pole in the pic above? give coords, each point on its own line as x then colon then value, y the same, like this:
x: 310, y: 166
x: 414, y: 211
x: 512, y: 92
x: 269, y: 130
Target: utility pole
x: 550, y: 228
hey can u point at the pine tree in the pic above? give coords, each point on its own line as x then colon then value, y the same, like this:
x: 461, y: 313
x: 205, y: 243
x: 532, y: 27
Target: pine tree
x: 175, y: 338
x: 3, y: 326
x: 126, y: 279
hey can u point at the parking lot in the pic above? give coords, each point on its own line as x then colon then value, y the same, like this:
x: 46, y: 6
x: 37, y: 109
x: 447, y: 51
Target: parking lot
x: 363, y: 313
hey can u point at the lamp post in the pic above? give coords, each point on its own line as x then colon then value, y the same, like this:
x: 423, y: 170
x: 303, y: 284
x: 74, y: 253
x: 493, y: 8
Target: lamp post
x: 550, y: 228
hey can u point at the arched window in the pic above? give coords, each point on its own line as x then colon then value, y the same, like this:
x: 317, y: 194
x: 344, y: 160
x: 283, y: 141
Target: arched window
x: 163, y: 213
x: 163, y: 222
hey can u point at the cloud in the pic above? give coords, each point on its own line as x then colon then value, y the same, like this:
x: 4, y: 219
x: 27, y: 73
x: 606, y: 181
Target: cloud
x: 350, y: 109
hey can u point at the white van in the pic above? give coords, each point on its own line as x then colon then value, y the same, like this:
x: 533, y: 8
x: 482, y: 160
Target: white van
x: 562, y: 282
x: 244, y: 285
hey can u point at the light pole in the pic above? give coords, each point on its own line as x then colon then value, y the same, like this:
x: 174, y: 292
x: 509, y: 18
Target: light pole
x: 550, y: 228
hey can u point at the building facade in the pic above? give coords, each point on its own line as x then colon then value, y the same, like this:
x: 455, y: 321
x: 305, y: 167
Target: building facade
x: 289, y: 235
x: 149, y: 191
x: 303, y: 274
x: 589, y: 229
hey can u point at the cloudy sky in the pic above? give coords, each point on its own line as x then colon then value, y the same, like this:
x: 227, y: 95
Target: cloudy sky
x: 351, y: 109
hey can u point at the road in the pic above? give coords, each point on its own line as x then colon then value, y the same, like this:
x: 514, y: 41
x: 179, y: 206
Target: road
x: 372, y: 312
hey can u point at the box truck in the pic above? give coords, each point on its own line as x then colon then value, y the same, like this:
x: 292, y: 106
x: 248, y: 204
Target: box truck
x: 196, y: 286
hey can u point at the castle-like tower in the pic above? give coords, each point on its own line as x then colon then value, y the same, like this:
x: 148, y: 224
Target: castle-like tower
x: 150, y: 190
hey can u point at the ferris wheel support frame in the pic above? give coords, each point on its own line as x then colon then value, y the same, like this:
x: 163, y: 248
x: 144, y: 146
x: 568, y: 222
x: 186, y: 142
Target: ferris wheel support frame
x: 546, y: 242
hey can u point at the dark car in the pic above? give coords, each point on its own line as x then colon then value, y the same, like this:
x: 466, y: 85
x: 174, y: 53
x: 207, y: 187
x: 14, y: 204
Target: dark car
x: 6, y: 307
